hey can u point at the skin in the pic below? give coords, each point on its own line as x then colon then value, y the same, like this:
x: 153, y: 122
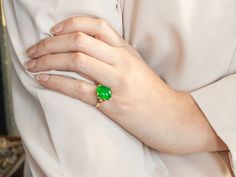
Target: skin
x: 161, y: 117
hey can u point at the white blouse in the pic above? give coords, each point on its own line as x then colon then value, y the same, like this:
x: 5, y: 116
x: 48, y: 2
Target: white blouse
x: 190, y: 44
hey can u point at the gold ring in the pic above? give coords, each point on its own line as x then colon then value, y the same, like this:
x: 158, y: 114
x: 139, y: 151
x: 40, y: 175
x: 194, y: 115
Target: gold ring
x: 103, y: 94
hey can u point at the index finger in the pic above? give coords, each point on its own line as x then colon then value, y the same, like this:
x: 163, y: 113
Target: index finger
x: 95, y: 27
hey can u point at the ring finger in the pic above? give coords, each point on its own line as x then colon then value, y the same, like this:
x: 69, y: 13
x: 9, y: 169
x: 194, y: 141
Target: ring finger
x: 78, y: 89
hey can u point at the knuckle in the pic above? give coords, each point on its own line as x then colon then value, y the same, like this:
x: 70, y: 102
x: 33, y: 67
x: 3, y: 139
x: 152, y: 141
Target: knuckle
x: 73, y: 21
x: 80, y: 88
x: 120, y: 104
x: 44, y: 60
x: 119, y: 77
x: 101, y: 24
x: 45, y: 42
x: 123, y: 81
x: 78, y: 39
x: 120, y: 55
x: 42, y: 64
x: 79, y: 60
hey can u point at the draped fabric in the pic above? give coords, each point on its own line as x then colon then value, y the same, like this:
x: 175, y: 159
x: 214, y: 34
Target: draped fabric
x: 190, y: 44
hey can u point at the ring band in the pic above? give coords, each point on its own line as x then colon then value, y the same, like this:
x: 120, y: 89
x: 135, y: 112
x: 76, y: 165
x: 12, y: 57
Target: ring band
x: 99, y: 103
x: 103, y: 94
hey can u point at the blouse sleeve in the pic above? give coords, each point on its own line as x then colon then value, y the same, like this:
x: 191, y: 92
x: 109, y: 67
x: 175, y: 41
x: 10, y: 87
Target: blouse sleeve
x: 218, y: 103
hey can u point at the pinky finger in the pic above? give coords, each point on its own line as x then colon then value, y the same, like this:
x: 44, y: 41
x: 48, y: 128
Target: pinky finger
x: 77, y: 89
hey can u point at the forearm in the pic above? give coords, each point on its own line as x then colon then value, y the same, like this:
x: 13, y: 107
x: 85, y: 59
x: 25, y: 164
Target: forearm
x: 186, y: 129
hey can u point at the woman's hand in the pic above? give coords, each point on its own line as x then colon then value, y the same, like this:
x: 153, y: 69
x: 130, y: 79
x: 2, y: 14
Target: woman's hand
x: 141, y: 102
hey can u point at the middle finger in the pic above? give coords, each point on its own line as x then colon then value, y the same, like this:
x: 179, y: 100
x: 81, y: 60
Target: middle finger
x: 75, y: 62
x: 74, y: 42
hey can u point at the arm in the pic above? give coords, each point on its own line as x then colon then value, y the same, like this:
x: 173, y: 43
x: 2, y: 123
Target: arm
x: 171, y: 123
x: 189, y: 128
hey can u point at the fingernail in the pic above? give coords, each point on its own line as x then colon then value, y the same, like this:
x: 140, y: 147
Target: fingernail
x: 31, y: 51
x: 42, y: 77
x: 56, y: 29
x: 30, y: 64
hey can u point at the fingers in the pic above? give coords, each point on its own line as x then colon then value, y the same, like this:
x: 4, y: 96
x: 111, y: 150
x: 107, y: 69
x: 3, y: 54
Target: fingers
x: 74, y: 62
x: 95, y: 27
x: 74, y: 42
x: 77, y: 89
